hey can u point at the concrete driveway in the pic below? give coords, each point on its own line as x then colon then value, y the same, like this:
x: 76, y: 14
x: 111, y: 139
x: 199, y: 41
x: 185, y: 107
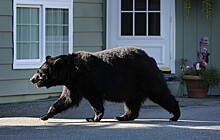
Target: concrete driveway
x: 200, y: 120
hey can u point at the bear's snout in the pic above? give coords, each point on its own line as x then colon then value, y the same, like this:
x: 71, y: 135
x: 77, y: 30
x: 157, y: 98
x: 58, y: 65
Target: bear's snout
x: 35, y: 78
x: 38, y: 80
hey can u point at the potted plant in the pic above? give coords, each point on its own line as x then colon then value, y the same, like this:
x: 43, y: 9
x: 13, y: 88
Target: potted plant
x: 198, y: 82
x: 198, y: 77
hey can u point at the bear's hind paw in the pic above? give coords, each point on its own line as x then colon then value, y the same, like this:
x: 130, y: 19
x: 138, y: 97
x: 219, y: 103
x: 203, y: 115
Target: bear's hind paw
x: 92, y: 120
x: 123, y: 118
x: 173, y: 119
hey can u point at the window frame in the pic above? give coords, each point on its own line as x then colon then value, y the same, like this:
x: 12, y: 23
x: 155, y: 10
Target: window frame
x: 42, y: 5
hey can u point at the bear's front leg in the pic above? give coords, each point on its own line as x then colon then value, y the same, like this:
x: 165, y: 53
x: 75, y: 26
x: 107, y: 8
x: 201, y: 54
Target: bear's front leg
x: 62, y: 104
x: 50, y: 114
x: 67, y: 99
x: 59, y: 106
x: 98, y: 109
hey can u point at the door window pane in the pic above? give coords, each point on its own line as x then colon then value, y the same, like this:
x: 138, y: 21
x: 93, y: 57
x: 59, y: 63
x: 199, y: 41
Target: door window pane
x: 57, y: 27
x: 142, y: 20
x: 154, y: 24
x: 140, y: 23
x: 27, y: 33
x: 126, y: 24
x: 126, y: 5
x: 140, y: 5
x: 154, y: 5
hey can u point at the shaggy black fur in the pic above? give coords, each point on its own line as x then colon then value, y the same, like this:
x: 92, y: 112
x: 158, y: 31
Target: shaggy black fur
x: 122, y: 74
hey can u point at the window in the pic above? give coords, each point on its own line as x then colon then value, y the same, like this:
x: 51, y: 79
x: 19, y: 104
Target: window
x: 28, y: 31
x: 41, y: 28
x: 140, y: 18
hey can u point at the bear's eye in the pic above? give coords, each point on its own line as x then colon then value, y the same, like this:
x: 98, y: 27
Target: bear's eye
x: 43, y: 76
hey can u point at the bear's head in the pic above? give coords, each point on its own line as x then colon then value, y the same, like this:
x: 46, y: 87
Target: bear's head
x: 49, y: 73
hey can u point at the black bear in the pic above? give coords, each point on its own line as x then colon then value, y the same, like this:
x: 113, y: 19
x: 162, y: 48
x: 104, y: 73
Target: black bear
x: 124, y: 74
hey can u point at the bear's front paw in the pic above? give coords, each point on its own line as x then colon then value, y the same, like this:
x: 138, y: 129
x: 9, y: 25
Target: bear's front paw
x: 89, y: 119
x: 44, y: 118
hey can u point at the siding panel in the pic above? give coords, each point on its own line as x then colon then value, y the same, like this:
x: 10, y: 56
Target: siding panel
x: 88, y: 39
x: 190, y: 35
x: 88, y: 48
x: 179, y: 33
x: 87, y: 10
x: 87, y: 24
x: 88, y: 1
x: 6, y: 56
x: 215, y: 34
x: 215, y: 45
x: 6, y: 7
x: 7, y: 73
x: 6, y: 23
x: 6, y: 39
x: 18, y: 87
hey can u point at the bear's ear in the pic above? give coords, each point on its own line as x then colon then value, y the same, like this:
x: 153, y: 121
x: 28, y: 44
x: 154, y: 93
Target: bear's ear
x: 48, y: 57
x: 58, y: 62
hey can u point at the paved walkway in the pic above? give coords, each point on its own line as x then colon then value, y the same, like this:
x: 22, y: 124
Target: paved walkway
x: 200, y: 120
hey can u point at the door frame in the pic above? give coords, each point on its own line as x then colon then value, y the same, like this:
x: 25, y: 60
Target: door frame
x: 172, y: 32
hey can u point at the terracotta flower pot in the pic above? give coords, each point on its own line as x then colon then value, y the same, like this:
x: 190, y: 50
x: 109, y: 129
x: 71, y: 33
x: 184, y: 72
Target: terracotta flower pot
x: 194, y: 85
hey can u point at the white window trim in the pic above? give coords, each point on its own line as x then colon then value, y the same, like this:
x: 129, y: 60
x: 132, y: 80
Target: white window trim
x: 35, y: 63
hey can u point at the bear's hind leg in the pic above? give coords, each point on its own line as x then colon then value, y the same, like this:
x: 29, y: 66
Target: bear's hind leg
x: 131, y: 111
x: 169, y: 103
x: 175, y: 111
x: 97, y: 105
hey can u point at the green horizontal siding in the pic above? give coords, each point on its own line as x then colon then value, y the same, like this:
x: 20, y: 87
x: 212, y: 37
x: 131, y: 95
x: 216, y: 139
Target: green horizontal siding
x: 7, y: 73
x: 88, y: 48
x: 6, y: 46
x: 5, y: 56
x: 87, y: 25
x: 6, y: 39
x: 19, y: 87
x: 88, y: 1
x: 6, y: 7
x: 88, y: 39
x: 87, y: 10
x: 6, y: 23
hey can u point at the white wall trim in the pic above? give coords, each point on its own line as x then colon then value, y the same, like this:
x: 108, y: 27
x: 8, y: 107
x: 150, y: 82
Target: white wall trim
x: 173, y: 36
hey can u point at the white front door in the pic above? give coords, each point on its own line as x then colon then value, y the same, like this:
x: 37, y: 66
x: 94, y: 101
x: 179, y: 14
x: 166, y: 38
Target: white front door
x: 148, y: 24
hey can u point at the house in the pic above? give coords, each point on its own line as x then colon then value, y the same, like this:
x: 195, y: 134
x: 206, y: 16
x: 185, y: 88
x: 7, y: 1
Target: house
x: 30, y: 30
